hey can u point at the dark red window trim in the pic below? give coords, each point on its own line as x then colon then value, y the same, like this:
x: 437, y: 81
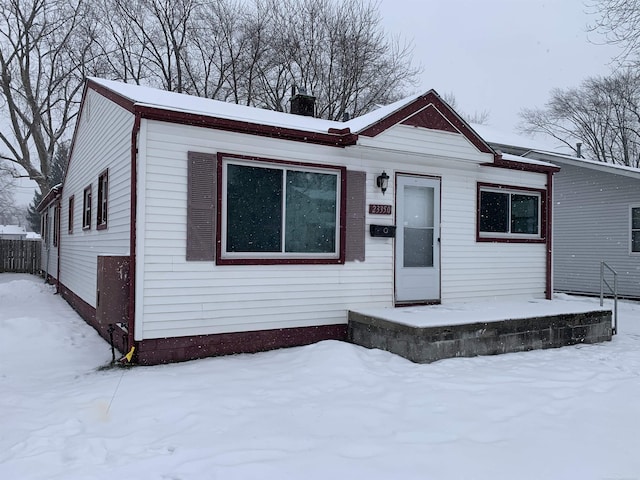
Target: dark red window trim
x: 103, y: 200
x: 281, y: 260
x: 513, y: 238
x: 86, y: 208
x: 72, y: 200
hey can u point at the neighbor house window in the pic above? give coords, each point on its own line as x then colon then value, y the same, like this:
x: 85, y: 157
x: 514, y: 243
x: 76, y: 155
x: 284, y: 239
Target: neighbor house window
x: 71, y: 202
x: 86, y: 208
x: 103, y: 194
x: 635, y: 229
x: 277, y: 211
x: 509, y: 213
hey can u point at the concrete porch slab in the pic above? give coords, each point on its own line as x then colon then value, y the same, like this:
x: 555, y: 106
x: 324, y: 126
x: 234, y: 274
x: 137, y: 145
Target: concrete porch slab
x: 428, y: 333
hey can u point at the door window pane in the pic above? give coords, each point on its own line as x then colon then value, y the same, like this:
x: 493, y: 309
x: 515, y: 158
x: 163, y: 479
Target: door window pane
x: 418, y: 207
x: 418, y: 226
x: 418, y: 247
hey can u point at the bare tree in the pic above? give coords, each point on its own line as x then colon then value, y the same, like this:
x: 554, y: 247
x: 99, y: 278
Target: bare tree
x: 619, y: 22
x: 478, y: 117
x: 147, y: 40
x: 42, y: 64
x: 603, y: 114
x: 339, y: 52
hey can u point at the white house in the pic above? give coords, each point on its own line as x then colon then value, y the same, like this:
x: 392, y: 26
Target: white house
x: 194, y: 227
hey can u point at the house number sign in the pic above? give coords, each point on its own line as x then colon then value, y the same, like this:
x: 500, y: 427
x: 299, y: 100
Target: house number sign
x: 378, y: 209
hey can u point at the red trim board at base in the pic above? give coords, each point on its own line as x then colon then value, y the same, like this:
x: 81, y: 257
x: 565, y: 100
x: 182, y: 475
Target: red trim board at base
x: 178, y: 349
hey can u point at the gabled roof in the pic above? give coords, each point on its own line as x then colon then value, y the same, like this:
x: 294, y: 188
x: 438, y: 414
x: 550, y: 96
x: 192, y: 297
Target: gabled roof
x: 426, y: 110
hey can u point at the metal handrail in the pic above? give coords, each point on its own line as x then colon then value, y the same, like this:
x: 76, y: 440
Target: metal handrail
x: 614, y: 291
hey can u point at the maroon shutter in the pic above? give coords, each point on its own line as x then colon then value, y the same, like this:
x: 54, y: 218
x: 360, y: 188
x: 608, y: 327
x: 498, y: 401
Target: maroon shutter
x: 356, y: 199
x: 201, y: 206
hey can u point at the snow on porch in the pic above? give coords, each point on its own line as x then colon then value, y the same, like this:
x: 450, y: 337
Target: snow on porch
x: 425, y: 334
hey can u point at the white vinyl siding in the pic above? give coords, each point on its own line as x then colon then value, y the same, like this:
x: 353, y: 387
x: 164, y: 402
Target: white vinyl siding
x: 591, y: 224
x: 102, y: 141
x: 49, y: 256
x: 177, y: 298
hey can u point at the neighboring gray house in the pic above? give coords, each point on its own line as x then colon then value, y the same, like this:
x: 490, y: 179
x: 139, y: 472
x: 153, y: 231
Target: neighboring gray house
x: 596, y: 217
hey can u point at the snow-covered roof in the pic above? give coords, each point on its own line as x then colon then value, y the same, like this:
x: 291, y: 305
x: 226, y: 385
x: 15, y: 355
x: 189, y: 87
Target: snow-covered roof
x: 531, y: 161
x: 583, y: 162
x: 12, y: 230
x: 500, y: 137
x: 545, y: 152
x: 178, y: 102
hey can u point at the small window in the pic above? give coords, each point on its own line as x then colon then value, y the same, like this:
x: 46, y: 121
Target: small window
x: 56, y: 225
x: 44, y: 227
x: 280, y: 211
x: 635, y: 229
x: 71, y: 202
x: 103, y: 194
x: 509, y: 213
x: 86, y: 209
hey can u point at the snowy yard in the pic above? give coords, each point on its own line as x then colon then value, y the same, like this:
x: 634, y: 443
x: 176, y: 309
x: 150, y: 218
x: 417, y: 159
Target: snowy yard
x: 326, y: 411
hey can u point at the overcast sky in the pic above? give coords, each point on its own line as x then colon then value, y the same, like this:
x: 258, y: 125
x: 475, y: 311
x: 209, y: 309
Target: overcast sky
x: 494, y: 55
x: 499, y: 55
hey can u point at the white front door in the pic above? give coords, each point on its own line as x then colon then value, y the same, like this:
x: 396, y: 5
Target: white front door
x: 417, y: 239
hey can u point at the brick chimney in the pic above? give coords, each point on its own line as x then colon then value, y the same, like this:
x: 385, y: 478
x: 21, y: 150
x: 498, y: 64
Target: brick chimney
x: 301, y: 103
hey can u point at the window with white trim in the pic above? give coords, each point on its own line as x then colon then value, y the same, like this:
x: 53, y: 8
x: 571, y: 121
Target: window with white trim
x: 279, y: 210
x: 103, y: 196
x: 635, y: 228
x: 71, y: 213
x: 507, y: 213
x: 86, y: 208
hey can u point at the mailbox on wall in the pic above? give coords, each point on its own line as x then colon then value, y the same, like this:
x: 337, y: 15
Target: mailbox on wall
x: 382, y: 230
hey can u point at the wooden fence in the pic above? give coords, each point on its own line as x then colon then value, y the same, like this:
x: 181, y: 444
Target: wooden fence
x: 20, y: 256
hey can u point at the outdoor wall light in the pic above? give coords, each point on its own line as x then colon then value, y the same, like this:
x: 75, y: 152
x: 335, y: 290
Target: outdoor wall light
x: 383, y: 181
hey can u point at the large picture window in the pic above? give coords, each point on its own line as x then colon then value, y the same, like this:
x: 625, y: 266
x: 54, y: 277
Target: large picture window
x: 279, y: 211
x: 509, y: 213
x: 635, y: 229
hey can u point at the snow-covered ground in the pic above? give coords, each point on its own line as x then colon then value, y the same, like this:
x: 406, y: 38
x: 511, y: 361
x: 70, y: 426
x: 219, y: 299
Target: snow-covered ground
x: 325, y: 411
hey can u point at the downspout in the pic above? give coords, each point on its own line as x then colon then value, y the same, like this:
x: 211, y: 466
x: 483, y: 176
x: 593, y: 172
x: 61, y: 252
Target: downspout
x: 132, y: 233
x: 549, y: 235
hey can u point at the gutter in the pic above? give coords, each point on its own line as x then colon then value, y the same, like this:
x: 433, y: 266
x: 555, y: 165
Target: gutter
x: 549, y: 234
